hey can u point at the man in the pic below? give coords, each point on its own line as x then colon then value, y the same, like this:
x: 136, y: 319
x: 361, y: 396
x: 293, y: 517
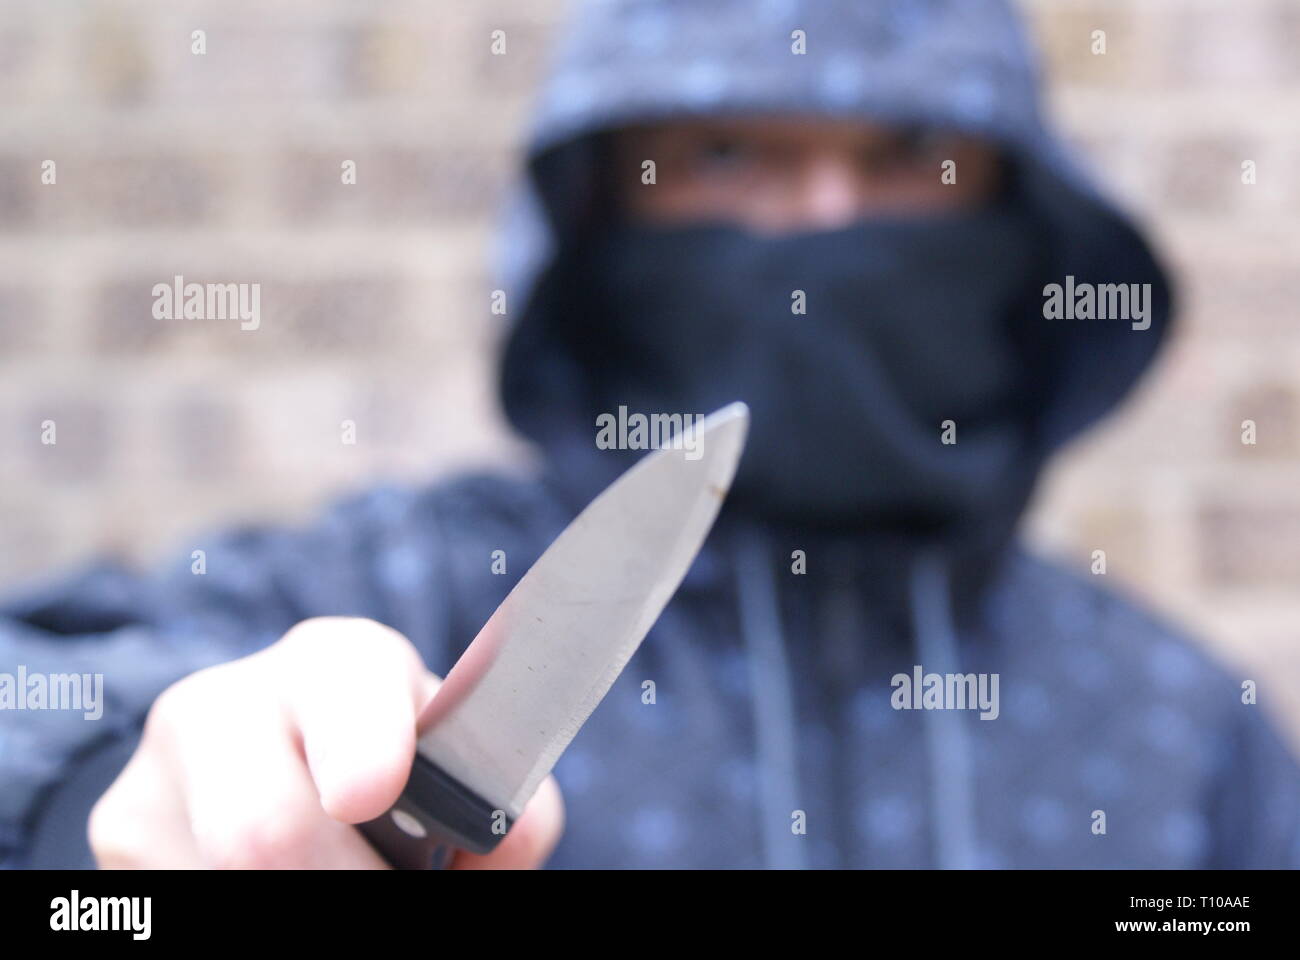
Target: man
x: 845, y: 214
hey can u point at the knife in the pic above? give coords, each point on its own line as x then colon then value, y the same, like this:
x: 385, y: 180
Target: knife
x: 544, y: 660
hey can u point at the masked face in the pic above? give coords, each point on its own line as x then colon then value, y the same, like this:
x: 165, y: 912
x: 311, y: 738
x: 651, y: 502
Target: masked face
x: 854, y: 348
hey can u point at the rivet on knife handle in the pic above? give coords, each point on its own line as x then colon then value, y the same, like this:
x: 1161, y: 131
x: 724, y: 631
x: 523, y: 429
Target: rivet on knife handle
x: 435, y: 815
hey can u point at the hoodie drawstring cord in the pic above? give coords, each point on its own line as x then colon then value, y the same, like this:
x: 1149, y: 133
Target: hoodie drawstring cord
x: 951, y: 774
x: 773, y: 706
x: 947, y: 739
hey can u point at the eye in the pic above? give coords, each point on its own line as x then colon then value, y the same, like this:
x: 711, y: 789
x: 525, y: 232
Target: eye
x: 909, y: 149
x: 926, y: 144
x: 722, y: 152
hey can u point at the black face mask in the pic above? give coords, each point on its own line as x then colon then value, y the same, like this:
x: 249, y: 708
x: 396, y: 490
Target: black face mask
x: 907, y: 324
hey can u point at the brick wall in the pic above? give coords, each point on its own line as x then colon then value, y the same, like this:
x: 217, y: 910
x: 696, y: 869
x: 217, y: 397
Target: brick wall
x: 226, y: 167
x: 1204, y: 526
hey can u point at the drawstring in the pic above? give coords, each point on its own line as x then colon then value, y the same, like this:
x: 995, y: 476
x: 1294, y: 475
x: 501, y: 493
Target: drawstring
x: 947, y: 738
x: 778, y: 772
x: 951, y: 777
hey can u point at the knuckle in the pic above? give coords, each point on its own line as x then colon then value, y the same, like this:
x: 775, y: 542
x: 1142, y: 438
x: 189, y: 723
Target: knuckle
x: 259, y: 844
x: 108, y: 828
x: 160, y: 714
x: 307, y: 630
x: 100, y: 825
x: 313, y: 636
x: 178, y: 699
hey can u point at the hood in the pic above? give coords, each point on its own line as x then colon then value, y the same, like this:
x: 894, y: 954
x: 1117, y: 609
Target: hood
x: 960, y: 64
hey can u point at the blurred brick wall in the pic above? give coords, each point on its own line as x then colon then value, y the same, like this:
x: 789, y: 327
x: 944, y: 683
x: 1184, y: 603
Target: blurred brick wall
x: 226, y: 168
x: 1201, y: 525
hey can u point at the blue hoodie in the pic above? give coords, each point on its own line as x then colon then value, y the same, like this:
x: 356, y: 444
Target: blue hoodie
x: 772, y: 741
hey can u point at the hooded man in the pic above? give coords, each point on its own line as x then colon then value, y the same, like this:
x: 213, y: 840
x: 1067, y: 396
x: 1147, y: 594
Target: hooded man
x: 847, y: 215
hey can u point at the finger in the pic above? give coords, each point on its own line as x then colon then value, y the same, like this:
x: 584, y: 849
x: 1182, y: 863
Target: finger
x: 140, y: 822
x: 530, y: 841
x: 250, y: 801
x: 353, y: 702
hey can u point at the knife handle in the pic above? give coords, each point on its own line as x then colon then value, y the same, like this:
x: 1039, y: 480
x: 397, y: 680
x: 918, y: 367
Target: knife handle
x: 435, y: 816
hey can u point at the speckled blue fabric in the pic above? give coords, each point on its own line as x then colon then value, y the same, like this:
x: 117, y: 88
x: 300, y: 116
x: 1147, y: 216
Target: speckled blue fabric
x: 1103, y: 708
x: 772, y: 688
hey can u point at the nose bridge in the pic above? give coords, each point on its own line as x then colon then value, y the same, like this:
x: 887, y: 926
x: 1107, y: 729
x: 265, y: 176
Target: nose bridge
x: 831, y: 190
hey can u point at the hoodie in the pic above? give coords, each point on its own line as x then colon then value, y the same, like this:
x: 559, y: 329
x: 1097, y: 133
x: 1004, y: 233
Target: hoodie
x: 774, y: 736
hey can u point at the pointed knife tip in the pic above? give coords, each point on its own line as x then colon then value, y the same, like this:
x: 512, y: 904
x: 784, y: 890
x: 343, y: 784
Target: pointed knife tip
x: 731, y: 426
x: 738, y: 409
x: 732, y: 417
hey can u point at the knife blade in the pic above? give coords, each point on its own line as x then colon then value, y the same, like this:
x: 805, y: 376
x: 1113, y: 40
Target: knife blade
x: 546, y: 658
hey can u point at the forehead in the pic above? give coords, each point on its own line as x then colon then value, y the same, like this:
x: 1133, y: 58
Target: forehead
x: 773, y: 128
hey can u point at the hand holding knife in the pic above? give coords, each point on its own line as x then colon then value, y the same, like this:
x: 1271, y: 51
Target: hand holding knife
x: 545, y: 659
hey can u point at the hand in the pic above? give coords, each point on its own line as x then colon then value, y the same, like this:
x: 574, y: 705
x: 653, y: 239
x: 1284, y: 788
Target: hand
x: 265, y: 762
